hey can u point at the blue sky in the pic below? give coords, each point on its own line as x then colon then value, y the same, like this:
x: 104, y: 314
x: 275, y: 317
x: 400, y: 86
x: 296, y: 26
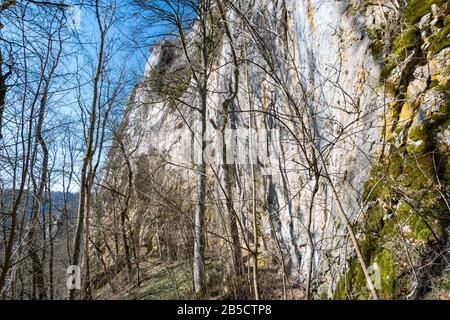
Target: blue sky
x: 132, y: 35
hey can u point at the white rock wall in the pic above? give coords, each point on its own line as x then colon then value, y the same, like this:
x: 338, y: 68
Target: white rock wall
x: 321, y: 58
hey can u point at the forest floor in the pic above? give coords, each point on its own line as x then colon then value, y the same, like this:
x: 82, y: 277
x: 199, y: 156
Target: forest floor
x: 165, y: 282
x: 159, y: 281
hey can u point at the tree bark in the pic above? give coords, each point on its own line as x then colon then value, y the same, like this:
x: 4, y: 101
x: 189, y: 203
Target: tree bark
x: 84, y: 187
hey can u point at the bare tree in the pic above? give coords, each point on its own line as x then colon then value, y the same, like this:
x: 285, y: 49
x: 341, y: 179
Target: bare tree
x: 104, y: 21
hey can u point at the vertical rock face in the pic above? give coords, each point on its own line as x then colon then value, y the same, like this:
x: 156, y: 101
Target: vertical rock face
x: 309, y: 90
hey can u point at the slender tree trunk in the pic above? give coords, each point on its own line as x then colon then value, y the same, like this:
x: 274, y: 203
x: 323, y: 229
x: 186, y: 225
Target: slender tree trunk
x: 37, y: 263
x: 51, y: 244
x: 229, y: 171
x: 254, y: 195
x: 255, y: 232
x: 254, y: 214
x: 87, y: 294
x: 311, y: 246
x: 199, y: 235
x: 80, y: 219
x: 84, y: 187
x: 355, y: 243
x: 3, y: 88
x: 199, y: 217
x: 124, y: 212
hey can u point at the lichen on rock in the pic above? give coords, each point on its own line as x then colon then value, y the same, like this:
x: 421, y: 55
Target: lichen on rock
x: 407, y: 191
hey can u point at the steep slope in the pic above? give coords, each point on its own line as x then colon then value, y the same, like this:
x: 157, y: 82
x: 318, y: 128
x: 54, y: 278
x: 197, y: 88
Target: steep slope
x: 336, y: 112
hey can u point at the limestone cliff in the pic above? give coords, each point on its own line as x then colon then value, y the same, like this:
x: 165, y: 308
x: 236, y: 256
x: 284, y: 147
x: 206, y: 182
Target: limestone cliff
x: 368, y: 79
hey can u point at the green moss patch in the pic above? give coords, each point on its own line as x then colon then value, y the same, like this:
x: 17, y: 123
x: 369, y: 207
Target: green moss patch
x: 416, y: 9
x: 440, y: 40
x: 401, y: 46
x: 401, y: 195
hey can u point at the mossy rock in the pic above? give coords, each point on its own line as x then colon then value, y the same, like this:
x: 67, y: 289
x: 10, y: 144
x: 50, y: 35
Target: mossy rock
x: 416, y: 9
x: 170, y: 84
x: 418, y: 140
x: 353, y: 285
x: 401, y: 190
x: 385, y: 273
x: 377, y: 48
x: 445, y: 281
x: 401, y: 47
x: 447, y: 20
x: 410, y: 38
x: 440, y: 40
x: 405, y: 42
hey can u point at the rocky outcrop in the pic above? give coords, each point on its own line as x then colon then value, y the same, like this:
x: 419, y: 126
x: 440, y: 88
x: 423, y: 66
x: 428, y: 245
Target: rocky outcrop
x: 406, y: 222
x: 374, y: 108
